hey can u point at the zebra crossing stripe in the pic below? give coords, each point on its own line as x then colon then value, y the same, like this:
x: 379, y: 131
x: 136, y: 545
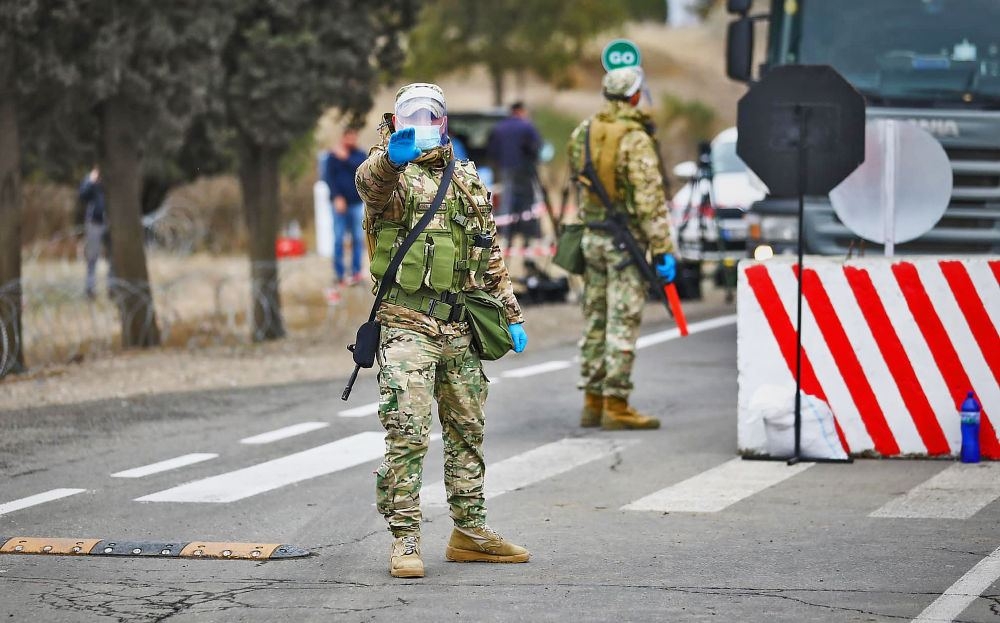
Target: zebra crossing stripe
x: 39, y: 498
x: 167, y: 465
x: 541, y: 368
x: 967, y: 589
x: 362, y: 411
x: 535, y: 465
x: 958, y: 492
x: 284, y: 433
x: 718, y: 488
x: 277, y: 473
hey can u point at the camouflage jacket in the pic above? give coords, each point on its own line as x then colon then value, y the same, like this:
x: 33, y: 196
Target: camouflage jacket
x: 385, y: 192
x: 638, y: 176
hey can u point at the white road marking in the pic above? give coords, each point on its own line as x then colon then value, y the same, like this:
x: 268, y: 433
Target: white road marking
x: 541, y: 368
x: 652, y: 339
x: 718, y: 488
x: 534, y: 465
x: 967, y: 589
x: 553, y: 366
x: 368, y: 409
x: 284, y: 433
x: 163, y: 466
x: 287, y: 470
x: 958, y: 492
x: 39, y: 498
x: 643, y: 342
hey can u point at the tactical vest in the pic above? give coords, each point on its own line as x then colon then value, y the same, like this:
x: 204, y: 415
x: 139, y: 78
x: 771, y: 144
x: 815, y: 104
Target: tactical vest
x: 605, y: 140
x: 449, y: 256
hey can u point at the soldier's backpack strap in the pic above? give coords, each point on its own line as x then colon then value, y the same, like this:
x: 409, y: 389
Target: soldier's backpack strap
x: 590, y: 178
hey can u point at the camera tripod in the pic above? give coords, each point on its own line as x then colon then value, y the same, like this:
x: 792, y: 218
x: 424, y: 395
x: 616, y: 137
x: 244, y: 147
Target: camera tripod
x: 703, y: 187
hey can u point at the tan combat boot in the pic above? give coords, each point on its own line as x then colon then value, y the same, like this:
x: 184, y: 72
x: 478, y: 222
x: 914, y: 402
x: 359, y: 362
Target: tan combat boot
x: 619, y: 416
x: 593, y: 405
x: 405, y: 562
x: 482, y: 545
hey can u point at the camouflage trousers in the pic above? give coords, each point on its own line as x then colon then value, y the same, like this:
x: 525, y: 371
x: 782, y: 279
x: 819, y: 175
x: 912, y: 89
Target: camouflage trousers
x: 613, y: 300
x: 416, y: 370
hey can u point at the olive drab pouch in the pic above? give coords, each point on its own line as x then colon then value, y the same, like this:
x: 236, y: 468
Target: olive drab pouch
x: 383, y: 251
x: 411, y: 271
x: 440, y: 261
x: 366, y: 344
x: 490, y: 332
x: 569, y: 249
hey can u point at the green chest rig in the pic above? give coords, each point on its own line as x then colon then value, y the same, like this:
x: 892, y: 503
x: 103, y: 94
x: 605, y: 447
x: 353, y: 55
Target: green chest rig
x: 450, y: 255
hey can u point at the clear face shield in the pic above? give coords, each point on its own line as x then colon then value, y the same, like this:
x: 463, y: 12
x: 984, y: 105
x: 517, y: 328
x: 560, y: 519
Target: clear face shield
x: 427, y: 117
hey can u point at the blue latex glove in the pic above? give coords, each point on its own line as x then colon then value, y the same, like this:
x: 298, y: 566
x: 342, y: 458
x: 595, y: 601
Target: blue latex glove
x: 402, y: 147
x: 519, y: 336
x: 666, y: 268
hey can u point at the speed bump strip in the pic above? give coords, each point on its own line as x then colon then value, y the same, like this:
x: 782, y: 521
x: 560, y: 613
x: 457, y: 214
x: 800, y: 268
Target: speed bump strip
x: 137, y: 548
x: 204, y: 549
x: 176, y: 549
x: 35, y: 545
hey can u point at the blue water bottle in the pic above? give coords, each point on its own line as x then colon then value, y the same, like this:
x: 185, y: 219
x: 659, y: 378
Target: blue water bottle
x: 970, y: 428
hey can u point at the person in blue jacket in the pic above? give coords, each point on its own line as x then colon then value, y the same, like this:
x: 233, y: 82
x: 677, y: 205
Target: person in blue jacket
x: 348, y: 209
x: 95, y: 228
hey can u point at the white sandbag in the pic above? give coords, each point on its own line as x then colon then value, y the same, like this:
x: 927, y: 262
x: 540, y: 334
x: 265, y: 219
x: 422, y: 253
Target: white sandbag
x: 774, y: 405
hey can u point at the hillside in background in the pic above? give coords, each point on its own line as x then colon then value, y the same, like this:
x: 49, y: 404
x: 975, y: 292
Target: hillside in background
x: 692, y: 100
x: 685, y: 67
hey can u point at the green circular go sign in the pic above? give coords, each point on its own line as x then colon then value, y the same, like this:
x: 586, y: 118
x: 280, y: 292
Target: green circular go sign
x: 620, y: 53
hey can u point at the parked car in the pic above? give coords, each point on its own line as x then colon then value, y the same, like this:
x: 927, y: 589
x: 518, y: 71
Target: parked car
x: 472, y: 130
x: 709, y: 212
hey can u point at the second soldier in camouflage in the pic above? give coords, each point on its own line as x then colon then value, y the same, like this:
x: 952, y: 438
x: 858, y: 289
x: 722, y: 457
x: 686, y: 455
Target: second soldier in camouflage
x: 625, y: 158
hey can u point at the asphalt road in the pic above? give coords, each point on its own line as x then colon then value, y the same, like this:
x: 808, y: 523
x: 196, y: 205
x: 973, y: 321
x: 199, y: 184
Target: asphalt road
x: 805, y: 548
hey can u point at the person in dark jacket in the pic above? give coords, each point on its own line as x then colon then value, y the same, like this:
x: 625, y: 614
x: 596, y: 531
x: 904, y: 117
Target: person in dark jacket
x: 513, y: 149
x: 95, y: 227
x: 348, y: 209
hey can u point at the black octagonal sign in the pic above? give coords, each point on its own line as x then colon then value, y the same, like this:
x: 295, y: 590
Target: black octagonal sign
x: 796, y: 101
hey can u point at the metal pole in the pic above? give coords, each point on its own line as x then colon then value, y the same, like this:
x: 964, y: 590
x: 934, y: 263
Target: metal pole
x: 891, y: 141
x: 801, y: 112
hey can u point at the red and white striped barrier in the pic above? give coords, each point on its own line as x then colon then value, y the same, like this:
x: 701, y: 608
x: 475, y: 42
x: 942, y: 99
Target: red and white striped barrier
x: 891, y: 345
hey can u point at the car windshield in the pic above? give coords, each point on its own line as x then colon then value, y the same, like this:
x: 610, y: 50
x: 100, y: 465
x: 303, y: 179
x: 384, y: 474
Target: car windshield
x: 724, y: 158
x: 945, y: 51
x: 473, y: 130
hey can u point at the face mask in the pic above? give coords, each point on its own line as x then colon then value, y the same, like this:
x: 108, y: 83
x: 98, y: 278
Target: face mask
x: 426, y: 137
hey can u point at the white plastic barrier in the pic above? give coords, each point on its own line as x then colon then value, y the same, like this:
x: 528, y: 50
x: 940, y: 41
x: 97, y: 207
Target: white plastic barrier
x: 890, y: 346
x: 323, y: 219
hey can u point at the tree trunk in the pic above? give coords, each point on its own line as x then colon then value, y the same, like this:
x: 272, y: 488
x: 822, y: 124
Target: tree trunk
x: 259, y: 182
x: 496, y: 77
x: 11, y: 353
x: 121, y: 176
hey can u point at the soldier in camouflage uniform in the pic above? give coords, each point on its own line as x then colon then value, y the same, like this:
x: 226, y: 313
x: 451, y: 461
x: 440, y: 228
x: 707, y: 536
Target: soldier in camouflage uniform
x: 625, y: 157
x: 425, y: 352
